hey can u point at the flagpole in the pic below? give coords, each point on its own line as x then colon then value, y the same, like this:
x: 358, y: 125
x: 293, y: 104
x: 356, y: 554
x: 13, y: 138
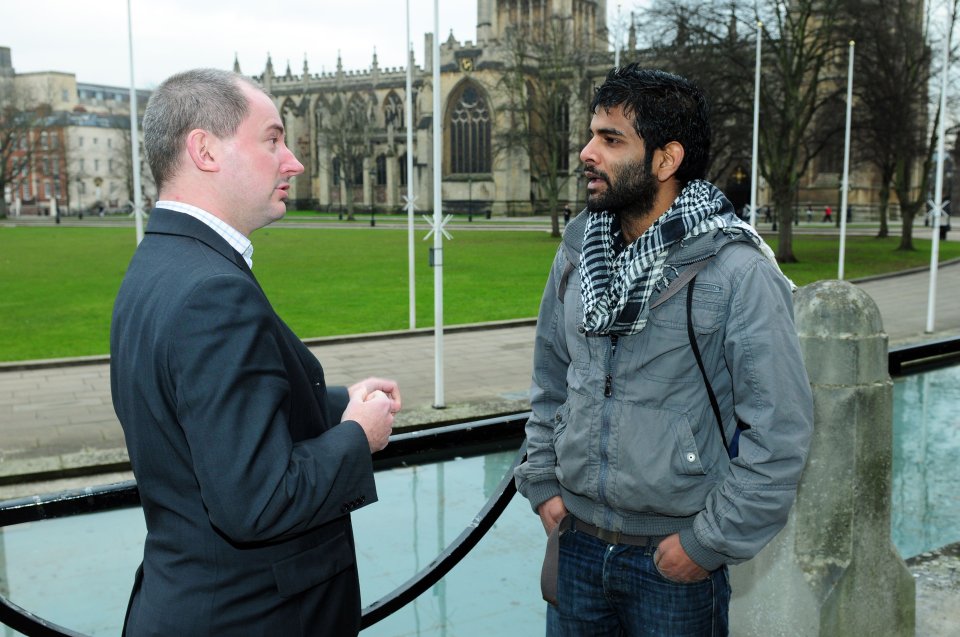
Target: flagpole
x: 938, y: 191
x: 845, y: 185
x: 134, y: 138
x: 438, y: 402
x: 408, y: 112
x: 756, y: 132
x: 616, y: 40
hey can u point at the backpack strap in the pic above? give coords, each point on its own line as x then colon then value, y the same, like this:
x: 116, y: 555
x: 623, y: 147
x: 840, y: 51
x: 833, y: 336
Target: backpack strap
x: 733, y: 447
x: 677, y: 284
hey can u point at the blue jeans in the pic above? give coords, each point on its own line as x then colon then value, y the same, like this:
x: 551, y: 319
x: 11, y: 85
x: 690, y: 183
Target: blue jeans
x: 615, y: 590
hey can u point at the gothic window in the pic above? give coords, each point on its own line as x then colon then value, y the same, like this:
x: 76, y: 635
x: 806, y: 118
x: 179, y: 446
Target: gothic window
x: 393, y: 111
x: 403, y: 169
x: 469, y: 127
x: 381, y: 170
x: 335, y: 168
x: 357, y: 171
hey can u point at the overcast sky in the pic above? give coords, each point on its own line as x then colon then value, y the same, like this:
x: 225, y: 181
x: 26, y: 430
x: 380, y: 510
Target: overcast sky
x: 89, y: 38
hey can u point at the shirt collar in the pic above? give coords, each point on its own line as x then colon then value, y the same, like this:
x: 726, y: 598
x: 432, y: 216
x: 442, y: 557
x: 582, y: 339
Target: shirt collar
x: 231, y: 235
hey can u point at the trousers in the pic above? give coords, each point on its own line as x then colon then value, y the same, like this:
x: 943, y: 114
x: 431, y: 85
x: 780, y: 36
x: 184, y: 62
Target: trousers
x: 613, y: 590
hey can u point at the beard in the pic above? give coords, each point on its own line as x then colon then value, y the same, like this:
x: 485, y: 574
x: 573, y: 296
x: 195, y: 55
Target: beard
x: 633, y: 193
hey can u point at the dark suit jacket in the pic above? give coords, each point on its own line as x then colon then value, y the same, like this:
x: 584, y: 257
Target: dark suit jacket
x: 246, y: 475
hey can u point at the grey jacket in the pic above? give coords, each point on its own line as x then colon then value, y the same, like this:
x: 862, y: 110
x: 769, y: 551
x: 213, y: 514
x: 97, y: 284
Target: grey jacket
x: 623, y: 429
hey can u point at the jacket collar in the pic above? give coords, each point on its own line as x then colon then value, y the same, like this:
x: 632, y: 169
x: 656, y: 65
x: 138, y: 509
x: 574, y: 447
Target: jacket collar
x: 170, y: 222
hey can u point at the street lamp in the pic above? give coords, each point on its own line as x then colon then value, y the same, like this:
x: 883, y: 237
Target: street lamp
x: 469, y: 197
x: 579, y: 173
x: 373, y: 182
x: 79, y: 192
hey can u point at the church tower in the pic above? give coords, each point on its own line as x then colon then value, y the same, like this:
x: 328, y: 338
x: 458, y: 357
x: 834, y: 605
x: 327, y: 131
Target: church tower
x: 589, y: 18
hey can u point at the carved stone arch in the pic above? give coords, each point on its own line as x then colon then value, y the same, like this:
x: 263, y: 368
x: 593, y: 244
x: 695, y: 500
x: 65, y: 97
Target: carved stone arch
x: 297, y: 133
x: 359, y: 107
x: 469, y: 120
x: 394, y: 111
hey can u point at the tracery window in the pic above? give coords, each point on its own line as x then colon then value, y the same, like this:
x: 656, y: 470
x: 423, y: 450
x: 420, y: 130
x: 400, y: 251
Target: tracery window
x: 393, y: 111
x: 561, y: 133
x: 381, y: 170
x: 469, y: 126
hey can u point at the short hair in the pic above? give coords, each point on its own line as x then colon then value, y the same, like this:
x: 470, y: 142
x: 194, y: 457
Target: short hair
x: 209, y: 99
x: 665, y: 108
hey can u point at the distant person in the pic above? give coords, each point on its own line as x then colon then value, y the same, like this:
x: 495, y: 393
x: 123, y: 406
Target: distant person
x: 566, y: 215
x: 944, y: 225
x: 809, y: 213
x: 248, y: 465
x: 827, y: 214
x: 641, y: 480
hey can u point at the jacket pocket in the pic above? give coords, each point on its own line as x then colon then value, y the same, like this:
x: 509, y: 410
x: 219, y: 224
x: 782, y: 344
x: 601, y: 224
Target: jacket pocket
x: 314, y: 566
x: 659, y: 469
x: 666, y: 355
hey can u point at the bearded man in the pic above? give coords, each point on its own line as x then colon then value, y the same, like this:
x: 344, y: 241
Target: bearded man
x: 671, y: 412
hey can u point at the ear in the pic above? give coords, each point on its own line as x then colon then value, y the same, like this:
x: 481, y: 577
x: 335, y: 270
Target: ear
x: 667, y: 160
x: 202, y: 147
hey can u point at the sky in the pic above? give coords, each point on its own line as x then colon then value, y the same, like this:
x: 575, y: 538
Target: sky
x: 90, y: 39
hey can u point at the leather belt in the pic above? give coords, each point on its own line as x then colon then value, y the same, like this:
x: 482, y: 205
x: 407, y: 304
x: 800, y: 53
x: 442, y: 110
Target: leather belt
x: 615, y: 537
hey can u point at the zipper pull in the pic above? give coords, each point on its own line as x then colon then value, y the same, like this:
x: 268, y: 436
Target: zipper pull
x: 608, y: 387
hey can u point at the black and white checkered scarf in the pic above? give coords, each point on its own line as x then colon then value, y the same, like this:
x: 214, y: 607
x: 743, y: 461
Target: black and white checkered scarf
x: 616, y: 288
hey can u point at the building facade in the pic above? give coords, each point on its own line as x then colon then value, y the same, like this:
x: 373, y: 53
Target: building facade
x: 349, y: 127
x: 75, y: 155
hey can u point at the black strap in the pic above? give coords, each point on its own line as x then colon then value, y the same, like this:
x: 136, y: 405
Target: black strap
x: 677, y: 284
x: 703, y: 372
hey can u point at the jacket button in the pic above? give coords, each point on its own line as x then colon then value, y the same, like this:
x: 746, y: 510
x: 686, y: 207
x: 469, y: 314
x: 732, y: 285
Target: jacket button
x: 581, y: 328
x: 691, y: 457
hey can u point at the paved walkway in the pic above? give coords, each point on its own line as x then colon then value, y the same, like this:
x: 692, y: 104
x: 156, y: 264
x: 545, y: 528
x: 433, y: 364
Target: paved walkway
x: 58, y: 417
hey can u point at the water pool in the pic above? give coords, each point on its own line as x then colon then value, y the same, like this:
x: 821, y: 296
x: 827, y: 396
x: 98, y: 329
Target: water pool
x: 78, y: 571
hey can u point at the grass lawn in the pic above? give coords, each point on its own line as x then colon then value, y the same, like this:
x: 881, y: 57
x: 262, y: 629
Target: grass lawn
x: 57, y: 284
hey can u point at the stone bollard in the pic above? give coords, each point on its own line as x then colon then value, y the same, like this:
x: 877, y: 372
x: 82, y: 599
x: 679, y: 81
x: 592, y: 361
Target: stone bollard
x: 833, y: 570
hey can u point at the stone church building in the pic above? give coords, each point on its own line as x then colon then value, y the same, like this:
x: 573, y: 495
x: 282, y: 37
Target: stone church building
x: 371, y: 169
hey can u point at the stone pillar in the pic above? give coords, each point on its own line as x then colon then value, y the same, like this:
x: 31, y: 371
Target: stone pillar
x: 833, y: 570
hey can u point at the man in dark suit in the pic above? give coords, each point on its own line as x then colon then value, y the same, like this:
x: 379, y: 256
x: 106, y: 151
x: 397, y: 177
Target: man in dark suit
x: 248, y: 465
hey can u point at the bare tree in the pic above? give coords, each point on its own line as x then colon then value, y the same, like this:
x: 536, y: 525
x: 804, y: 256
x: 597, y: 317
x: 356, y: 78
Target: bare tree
x: 21, y: 123
x: 344, y: 127
x: 124, y: 166
x: 892, y: 75
x: 714, y: 44
x: 912, y: 195
x: 711, y: 46
x: 545, y: 75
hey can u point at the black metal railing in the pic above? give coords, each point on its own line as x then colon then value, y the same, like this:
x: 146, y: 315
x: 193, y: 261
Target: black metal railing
x: 409, y: 448
x: 419, y: 446
x: 912, y: 359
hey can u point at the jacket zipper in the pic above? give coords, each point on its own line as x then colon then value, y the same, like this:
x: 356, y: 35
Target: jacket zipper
x: 608, y: 385
x: 605, y: 421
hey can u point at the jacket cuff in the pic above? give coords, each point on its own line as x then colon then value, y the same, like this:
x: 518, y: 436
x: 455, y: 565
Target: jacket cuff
x: 704, y: 557
x: 541, y: 491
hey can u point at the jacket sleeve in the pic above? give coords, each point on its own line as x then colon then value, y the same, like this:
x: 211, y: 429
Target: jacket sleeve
x: 771, y: 393
x: 536, y: 478
x: 233, y: 402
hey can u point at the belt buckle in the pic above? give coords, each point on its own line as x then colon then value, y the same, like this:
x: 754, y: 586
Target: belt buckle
x: 610, y: 537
